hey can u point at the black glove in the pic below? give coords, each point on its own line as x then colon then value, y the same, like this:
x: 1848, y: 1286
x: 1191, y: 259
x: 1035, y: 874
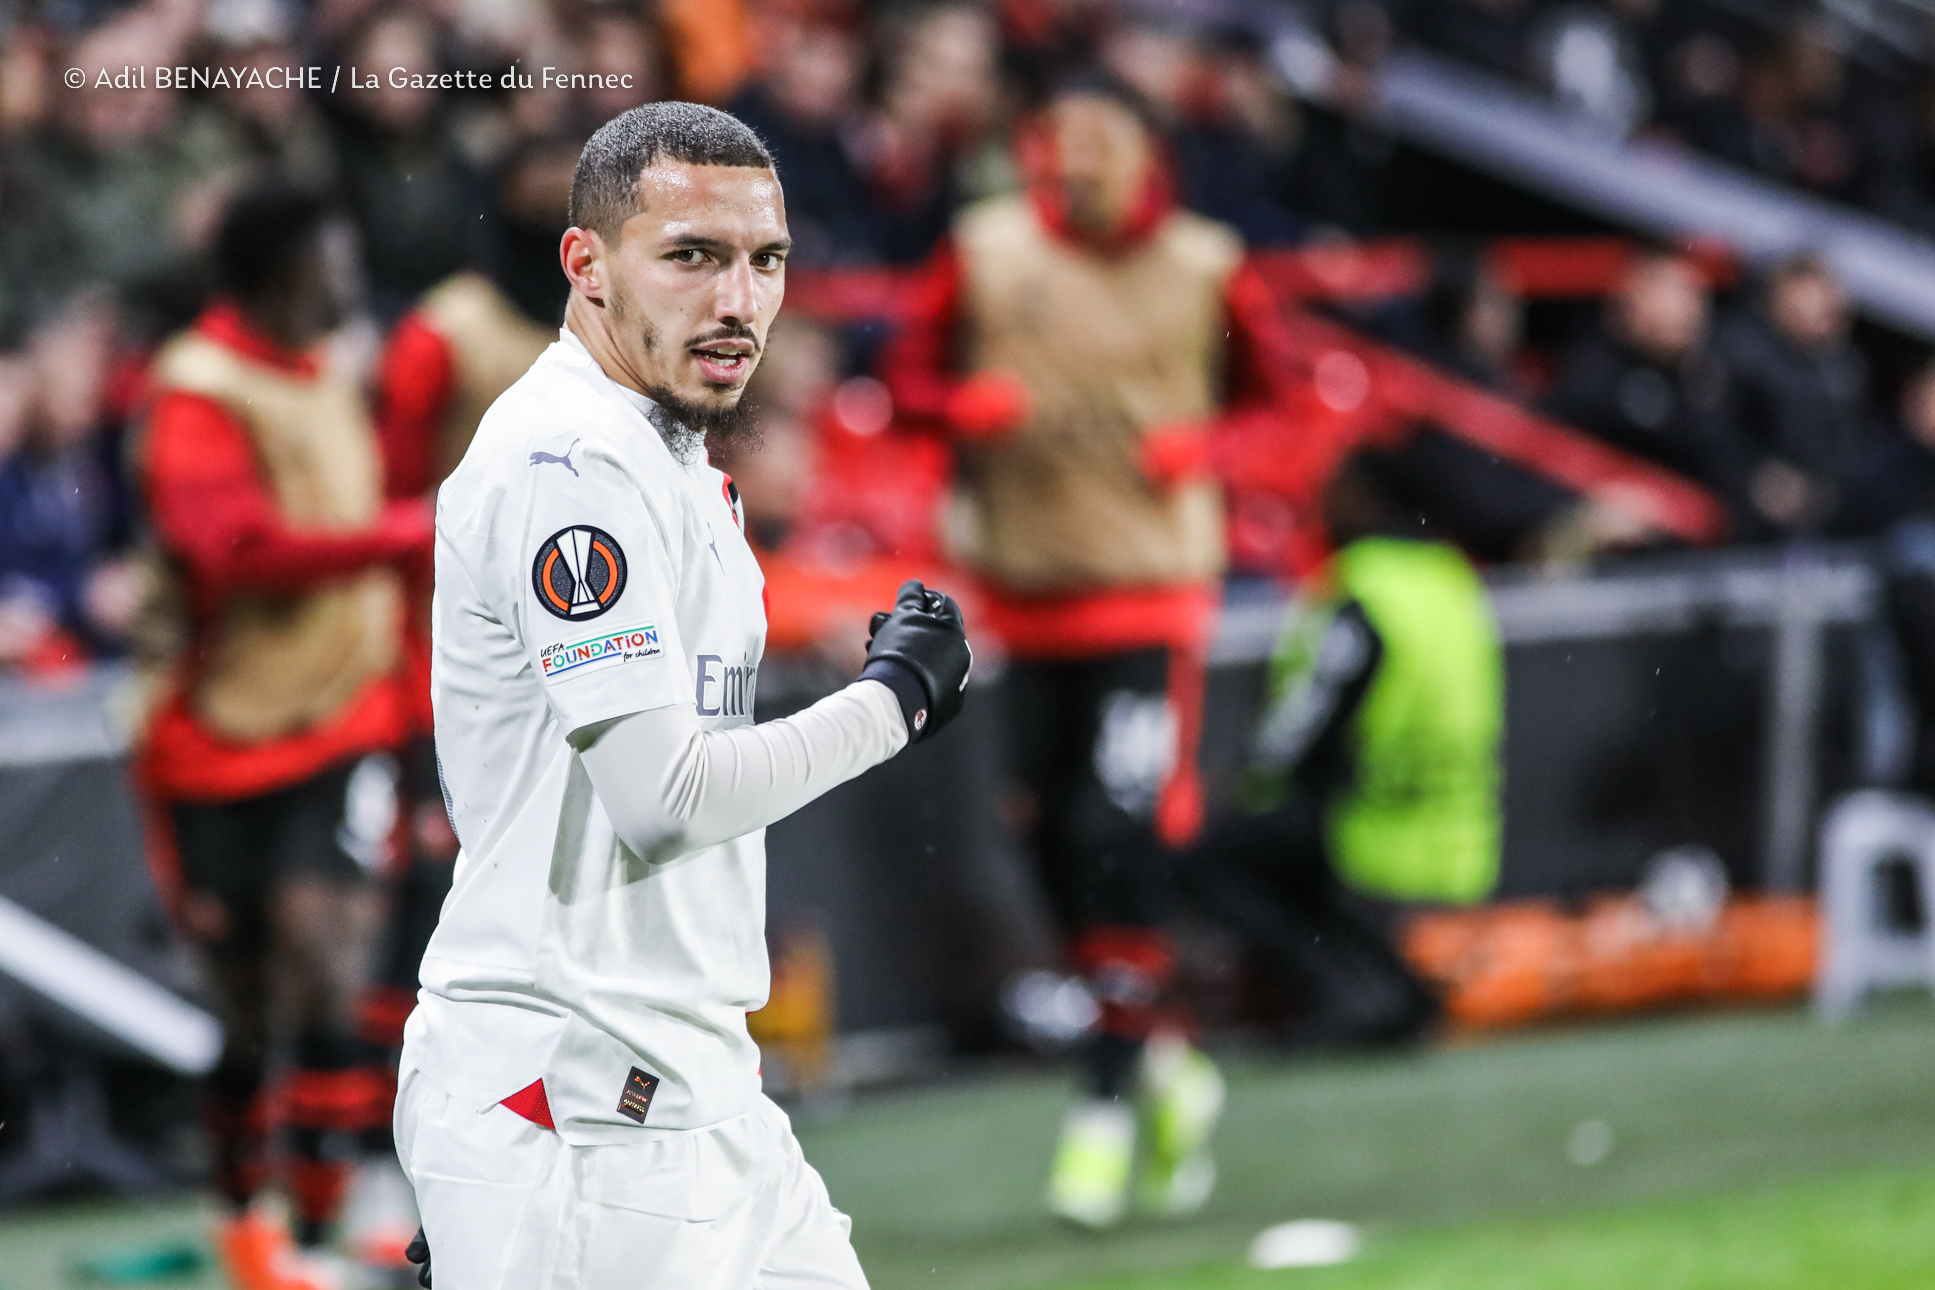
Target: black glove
x: 920, y: 652
x: 418, y: 1251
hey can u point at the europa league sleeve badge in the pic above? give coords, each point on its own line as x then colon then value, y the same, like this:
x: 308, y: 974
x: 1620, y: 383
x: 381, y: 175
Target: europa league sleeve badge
x: 579, y: 573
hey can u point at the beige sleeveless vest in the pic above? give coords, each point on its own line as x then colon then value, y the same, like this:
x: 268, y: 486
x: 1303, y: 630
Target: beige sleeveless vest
x: 492, y: 344
x: 1109, y: 347
x: 275, y: 665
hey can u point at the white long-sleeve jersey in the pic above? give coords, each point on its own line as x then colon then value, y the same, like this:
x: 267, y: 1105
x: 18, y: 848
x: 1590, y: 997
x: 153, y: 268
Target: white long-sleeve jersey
x: 598, y: 629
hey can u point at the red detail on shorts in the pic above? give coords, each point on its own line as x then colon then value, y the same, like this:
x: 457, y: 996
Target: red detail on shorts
x: 239, y: 1133
x: 1179, y: 806
x: 381, y: 1012
x: 316, y: 1188
x: 1129, y: 970
x: 360, y: 1097
x: 1109, y: 620
x: 531, y: 1103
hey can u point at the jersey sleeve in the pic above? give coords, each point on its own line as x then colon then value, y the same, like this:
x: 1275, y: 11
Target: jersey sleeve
x: 599, y: 557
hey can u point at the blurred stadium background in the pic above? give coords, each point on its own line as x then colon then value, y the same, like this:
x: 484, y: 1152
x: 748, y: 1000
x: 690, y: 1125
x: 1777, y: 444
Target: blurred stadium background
x: 1632, y: 301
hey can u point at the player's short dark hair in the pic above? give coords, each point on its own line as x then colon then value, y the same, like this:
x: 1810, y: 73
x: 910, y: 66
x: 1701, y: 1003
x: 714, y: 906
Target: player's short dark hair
x: 604, y: 191
x: 266, y: 229
x: 1099, y: 83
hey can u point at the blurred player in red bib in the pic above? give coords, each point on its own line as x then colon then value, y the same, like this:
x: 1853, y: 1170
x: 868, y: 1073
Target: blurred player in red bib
x: 1074, y: 343
x: 262, y: 474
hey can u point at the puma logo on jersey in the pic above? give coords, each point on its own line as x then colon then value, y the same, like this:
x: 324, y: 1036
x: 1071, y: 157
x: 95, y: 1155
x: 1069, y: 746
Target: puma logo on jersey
x: 549, y: 459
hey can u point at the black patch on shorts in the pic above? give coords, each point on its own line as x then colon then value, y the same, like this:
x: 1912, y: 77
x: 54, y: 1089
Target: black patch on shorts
x: 578, y: 573
x: 637, y: 1098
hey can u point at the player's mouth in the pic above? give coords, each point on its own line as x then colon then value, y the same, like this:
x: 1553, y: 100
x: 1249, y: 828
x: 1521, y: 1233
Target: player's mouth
x: 724, y: 362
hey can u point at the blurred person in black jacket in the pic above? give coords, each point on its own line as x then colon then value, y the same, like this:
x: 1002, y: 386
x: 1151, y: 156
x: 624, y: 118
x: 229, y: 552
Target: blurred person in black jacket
x: 806, y: 107
x: 1344, y: 173
x: 1802, y: 390
x: 1470, y: 324
x: 1805, y: 123
x: 935, y: 140
x: 132, y: 175
x: 1895, y: 494
x: 1893, y: 479
x: 1647, y: 379
x: 1494, y: 35
x: 1230, y: 125
x: 67, y: 584
x: 279, y: 131
x: 421, y: 210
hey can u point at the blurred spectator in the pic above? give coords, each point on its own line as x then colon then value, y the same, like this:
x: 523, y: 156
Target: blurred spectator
x: 1901, y: 492
x: 1699, y: 95
x: 421, y: 211
x: 65, y: 524
x: 1045, y: 41
x: 533, y: 210
x: 123, y: 172
x: 620, y: 47
x: 1472, y: 326
x: 1803, y: 393
x: 1646, y: 377
x: 712, y: 47
x: 469, y: 338
x: 1343, y: 165
x: 278, y: 131
x: 1075, y: 343
x: 1473, y: 323
x: 1232, y: 128
x: 1492, y: 34
x: 1893, y: 477
x: 264, y: 484
x: 1590, y: 57
x: 1374, y: 772
x: 1903, y: 188
x: 934, y: 139
x: 1803, y: 125
x: 805, y: 105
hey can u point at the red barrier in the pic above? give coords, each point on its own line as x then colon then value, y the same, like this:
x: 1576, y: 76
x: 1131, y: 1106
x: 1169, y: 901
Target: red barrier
x: 1540, y: 268
x: 1337, y: 390
x: 1400, y: 388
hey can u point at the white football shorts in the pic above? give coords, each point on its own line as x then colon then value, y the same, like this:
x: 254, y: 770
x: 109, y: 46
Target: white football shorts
x: 508, y: 1205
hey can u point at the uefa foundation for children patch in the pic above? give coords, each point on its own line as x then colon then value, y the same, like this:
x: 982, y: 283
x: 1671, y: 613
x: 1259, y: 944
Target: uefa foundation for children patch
x: 568, y: 657
x: 637, y: 1097
x: 579, y: 573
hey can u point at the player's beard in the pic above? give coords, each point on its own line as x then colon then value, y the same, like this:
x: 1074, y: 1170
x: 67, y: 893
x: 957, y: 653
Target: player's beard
x: 688, y: 427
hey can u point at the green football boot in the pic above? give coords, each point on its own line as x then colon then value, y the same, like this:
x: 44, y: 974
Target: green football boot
x: 1182, y: 1098
x: 1089, y: 1185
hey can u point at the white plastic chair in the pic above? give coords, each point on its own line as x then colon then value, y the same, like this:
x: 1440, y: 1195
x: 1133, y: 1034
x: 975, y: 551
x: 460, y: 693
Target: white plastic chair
x: 1865, y: 831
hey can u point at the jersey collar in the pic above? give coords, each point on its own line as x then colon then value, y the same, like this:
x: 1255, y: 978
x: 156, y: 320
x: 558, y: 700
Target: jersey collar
x: 569, y: 338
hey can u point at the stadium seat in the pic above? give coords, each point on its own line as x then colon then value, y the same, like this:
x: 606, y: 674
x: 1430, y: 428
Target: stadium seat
x: 1867, y: 943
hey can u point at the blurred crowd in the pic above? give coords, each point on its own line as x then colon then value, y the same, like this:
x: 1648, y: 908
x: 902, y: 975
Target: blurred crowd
x: 1066, y: 224
x: 1823, y: 98
x: 887, y: 121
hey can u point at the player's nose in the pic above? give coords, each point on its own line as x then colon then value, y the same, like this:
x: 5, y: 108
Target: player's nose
x: 738, y: 298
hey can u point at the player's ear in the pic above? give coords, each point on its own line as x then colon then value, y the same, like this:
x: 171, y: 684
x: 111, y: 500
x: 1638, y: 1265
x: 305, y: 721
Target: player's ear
x: 582, y: 253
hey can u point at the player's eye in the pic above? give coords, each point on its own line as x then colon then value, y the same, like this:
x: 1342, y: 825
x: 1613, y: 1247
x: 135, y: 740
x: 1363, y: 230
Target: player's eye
x: 768, y: 260
x: 687, y: 255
